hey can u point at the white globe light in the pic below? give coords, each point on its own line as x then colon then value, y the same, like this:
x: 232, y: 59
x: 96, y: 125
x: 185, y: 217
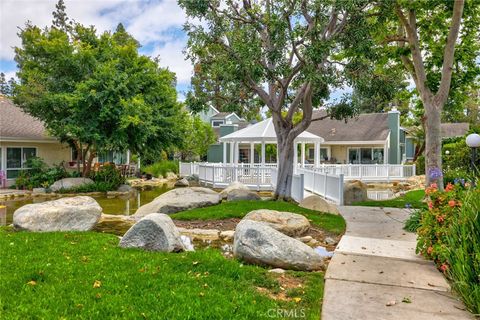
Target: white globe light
x: 473, y: 140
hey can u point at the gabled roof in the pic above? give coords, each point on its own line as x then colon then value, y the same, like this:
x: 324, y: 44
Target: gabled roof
x: 224, y: 115
x: 450, y: 130
x: 17, y: 125
x: 366, y: 127
x: 265, y: 131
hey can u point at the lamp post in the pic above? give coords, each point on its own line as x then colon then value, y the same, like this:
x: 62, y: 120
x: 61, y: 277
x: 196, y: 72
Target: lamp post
x: 473, y: 141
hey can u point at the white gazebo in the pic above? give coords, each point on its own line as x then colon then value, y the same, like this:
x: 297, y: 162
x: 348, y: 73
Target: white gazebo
x: 264, y: 133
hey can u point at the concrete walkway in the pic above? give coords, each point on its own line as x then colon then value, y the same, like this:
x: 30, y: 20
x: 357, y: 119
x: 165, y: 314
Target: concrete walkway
x: 375, y: 273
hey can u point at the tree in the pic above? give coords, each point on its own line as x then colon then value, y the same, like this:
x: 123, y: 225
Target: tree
x: 197, y: 137
x: 6, y: 87
x: 96, y: 92
x: 439, y: 51
x: 281, y: 52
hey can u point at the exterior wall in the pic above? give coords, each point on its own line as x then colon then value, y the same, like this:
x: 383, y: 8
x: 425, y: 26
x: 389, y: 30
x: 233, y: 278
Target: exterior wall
x: 52, y: 153
x: 206, y: 115
x: 409, y: 148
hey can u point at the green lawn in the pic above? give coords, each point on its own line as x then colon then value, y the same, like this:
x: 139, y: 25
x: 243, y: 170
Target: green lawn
x: 86, y: 275
x: 411, y: 198
x: 238, y: 209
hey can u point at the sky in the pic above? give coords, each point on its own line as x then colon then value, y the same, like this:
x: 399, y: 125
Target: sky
x: 156, y: 24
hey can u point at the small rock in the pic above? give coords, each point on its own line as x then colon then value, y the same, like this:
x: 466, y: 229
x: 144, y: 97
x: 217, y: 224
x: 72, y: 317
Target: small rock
x: 329, y: 240
x: 291, y: 224
x: 277, y: 270
x: 317, y: 203
x: 240, y: 194
x: 38, y: 190
x: 227, y: 235
x: 306, y: 239
x: 236, y: 185
x: 182, y: 183
x: 391, y: 303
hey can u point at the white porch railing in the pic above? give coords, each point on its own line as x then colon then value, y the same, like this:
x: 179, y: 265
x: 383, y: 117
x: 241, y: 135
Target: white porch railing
x: 369, y: 172
x: 298, y: 185
x: 256, y: 178
x: 329, y: 186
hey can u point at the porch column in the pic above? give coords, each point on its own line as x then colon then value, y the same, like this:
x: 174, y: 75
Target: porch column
x: 295, y: 155
x: 385, y: 153
x: 317, y: 154
x: 232, y: 152
x: 252, y: 153
x: 236, y: 152
x: 303, y: 155
x: 263, y: 153
x: 224, y: 153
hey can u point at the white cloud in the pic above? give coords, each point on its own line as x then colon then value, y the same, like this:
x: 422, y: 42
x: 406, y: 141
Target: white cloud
x: 171, y: 56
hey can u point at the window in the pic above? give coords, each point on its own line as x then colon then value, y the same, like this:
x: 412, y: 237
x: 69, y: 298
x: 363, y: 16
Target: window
x: 324, y: 154
x: 216, y: 123
x: 311, y: 153
x: 365, y: 155
x: 112, y: 156
x: 16, y: 159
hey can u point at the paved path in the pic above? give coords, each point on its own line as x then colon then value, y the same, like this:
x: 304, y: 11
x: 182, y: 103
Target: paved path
x: 375, y: 264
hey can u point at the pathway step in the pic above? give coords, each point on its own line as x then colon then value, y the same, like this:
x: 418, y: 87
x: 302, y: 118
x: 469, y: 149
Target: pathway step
x: 395, y: 249
x: 354, y: 301
x: 379, y: 270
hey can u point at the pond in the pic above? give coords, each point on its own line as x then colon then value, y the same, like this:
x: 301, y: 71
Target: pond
x: 125, y: 205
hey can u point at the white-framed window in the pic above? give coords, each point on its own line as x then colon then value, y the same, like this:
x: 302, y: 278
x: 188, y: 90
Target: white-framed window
x: 17, y: 158
x: 367, y: 155
x: 217, y: 123
x: 324, y: 154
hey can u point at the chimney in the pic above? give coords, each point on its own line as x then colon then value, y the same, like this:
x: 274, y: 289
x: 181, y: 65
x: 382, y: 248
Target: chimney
x: 394, y: 126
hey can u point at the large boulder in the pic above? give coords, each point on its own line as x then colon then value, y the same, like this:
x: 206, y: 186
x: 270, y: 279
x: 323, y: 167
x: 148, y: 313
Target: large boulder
x: 258, y: 243
x: 317, y: 203
x: 65, y: 214
x: 236, y: 185
x: 69, y: 183
x: 179, y: 200
x: 291, y: 224
x: 354, y: 191
x: 155, y: 232
x: 240, y: 194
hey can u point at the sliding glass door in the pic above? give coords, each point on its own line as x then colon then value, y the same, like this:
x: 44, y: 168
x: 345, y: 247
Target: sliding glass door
x: 17, y: 158
x: 366, y: 155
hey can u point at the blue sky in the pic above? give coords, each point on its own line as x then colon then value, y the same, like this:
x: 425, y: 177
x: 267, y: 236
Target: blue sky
x: 156, y: 24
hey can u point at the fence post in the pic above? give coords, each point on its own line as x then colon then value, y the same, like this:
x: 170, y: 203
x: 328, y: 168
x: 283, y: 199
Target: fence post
x: 388, y: 173
x: 340, y: 190
x: 258, y: 178
x: 213, y: 177
x: 414, y: 170
x: 325, y: 185
x: 302, y: 187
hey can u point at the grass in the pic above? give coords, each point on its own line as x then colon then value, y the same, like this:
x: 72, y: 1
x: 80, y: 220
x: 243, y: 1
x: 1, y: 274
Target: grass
x: 86, y: 275
x: 412, y: 199
x: 238, y: 209
x: 161, y: 168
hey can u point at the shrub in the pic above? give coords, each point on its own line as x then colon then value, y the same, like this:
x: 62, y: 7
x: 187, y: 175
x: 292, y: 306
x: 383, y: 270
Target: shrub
x: 90, y: 187
x: 414, y: 221
x: 161, y: 168
x: 463, y: 251
x: 420, y: 165
x: 107, y: 177
x: 39, y: 174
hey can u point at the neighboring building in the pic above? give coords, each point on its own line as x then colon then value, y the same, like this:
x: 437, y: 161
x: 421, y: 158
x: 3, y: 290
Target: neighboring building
x: 23, y: 136
x: 454, y: 130
x: 222, y: 123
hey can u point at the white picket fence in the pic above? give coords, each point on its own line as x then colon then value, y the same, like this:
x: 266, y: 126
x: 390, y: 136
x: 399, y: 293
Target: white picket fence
x: 329, y: 186
x: 298, y: 185
x: 215, y: 176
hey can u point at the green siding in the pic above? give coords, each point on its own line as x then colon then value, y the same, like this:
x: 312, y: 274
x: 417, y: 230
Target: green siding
x: 410, y: 148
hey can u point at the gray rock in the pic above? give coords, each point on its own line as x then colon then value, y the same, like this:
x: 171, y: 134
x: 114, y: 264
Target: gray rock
x: 257, y: 243
x: 125, y: 188
x: 179, y: 200
x: 329, y: 240
x: 354, y: 191
x: 317, y: 203
x: 65, y: 214
x: 69, y: 183
x: 291, y: 224
x: 38, y: 190
x: 155, y: 232
x: 236, y: 185
x: 182, y: 183
x: 240, y: 194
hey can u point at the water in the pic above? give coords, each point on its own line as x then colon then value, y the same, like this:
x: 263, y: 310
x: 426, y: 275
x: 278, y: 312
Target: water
x: 380, y: 194
x: 121, y: 205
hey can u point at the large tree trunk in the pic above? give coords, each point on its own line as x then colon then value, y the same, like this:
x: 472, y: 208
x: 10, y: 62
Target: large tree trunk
x: 283, y: 189
x: 88, y: 168
x: 433, y: 146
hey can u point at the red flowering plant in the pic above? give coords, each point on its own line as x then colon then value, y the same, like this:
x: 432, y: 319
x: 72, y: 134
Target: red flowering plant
x: 443, y: 207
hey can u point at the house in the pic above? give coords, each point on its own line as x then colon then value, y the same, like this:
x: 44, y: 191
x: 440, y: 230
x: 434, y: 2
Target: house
x: 23, y: 136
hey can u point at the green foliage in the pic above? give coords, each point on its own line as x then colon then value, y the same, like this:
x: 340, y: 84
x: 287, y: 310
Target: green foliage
x: 191, y: 285
x: 459, y: 155
x: 463, y: 251
x: 39, y: 175
x: 413, y: 221
x: 161, y: 168
x: 197, y: 137
x: 412, y: 199
x: 420, y: 165
x: 108, y: 175
x: 94, y: 88
x: 238, y: 209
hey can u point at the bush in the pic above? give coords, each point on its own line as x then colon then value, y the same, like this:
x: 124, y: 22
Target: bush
x: 420, y: 165
x: 413, y: 222
x: 90, y: 187
x: 455, y: 175
x: 107, y: 177
x: 161, y: 168
x: 463, y: 253
x: 39, y: 174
